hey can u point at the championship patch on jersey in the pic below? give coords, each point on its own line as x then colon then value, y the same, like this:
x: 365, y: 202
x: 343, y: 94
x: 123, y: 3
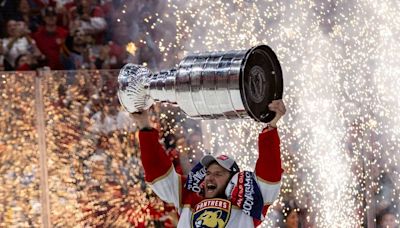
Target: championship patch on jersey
x: 211, y: 213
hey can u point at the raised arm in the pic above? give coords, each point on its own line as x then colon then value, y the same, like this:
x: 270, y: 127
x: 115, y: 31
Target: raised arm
x: 159, y: 171
x: 268, y: 167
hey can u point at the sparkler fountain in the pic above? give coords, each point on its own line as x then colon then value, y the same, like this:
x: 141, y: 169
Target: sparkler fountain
x: 340, y: 136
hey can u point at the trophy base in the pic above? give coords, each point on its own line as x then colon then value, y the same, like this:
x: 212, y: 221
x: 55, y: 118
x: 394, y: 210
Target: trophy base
x: 261, y: 82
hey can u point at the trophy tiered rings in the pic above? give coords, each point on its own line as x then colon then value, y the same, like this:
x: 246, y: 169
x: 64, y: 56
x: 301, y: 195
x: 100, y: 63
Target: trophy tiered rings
x: 212, y: 85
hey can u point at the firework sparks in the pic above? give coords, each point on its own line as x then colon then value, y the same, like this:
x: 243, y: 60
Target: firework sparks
x: 340, y: 64
x: 131, y: 48
x: 340, y: 137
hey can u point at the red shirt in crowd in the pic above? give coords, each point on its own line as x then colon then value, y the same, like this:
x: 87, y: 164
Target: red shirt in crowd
x: 50, y: 44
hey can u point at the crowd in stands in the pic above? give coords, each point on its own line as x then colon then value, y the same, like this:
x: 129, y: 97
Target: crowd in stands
x: 95, y: 175
x: 108, y: 170
x: 71, y: 34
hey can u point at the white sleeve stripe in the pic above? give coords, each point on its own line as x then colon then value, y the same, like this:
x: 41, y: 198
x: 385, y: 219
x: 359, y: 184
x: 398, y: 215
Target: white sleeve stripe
x: 267, y: 182
x: 269, y: 192
x: 179, y: 192
x: 167, y: 188
x: 162, y: 176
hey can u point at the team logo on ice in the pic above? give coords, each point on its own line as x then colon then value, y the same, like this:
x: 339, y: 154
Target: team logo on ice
x: 211, y: 213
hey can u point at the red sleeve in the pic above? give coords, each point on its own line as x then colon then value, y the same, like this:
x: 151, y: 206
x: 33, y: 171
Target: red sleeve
x: 173, y: 156
x: 97, y: 12
x: 154, y: 159
x: 268, y: 166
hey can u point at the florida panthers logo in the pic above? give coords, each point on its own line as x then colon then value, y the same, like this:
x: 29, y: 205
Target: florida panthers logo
x: 211, y: 213
x: 210, y: 219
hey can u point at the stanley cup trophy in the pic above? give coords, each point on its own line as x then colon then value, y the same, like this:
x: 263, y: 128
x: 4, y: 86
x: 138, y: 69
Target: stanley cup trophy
x: 212, y: 85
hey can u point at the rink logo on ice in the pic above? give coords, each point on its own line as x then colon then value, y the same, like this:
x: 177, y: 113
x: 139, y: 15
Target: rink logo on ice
x: 211, y: 213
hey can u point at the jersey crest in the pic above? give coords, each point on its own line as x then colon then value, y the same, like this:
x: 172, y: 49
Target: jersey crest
x: 211, y: 213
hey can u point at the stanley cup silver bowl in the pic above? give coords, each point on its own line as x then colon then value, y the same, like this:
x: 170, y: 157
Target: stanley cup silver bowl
x: 211, y: 85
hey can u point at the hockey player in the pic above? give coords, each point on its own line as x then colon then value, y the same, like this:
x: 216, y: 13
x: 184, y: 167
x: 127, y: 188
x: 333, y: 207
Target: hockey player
x: 215, y: 193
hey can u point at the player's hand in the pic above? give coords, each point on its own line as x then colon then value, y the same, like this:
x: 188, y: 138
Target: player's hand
x: 279, y: 108
x: 142, y: 119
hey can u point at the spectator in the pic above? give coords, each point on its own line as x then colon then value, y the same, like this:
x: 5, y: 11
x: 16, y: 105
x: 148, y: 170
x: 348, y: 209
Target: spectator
x: 387, y: 219
x: 113, y: 11
x: 114, y: 55
x: 24, y: 63
x: 75, y: 53
x: 17, y: 43
x: 103, y: 59
x: 291, y: 214
x: 50, y: 37
x: 24, y: 13
x: 7, y: 10
x: 89, y: 17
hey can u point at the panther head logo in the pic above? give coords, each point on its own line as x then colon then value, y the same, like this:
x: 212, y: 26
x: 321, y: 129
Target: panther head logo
x: 211, y: 219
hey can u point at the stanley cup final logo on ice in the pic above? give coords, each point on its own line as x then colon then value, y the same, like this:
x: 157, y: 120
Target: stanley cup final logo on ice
x: 210, y: 85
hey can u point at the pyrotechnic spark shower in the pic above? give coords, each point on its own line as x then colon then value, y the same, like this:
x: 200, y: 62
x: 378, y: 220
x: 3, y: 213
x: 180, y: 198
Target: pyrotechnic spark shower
x: 340, y: 136
x: 341, y: 65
